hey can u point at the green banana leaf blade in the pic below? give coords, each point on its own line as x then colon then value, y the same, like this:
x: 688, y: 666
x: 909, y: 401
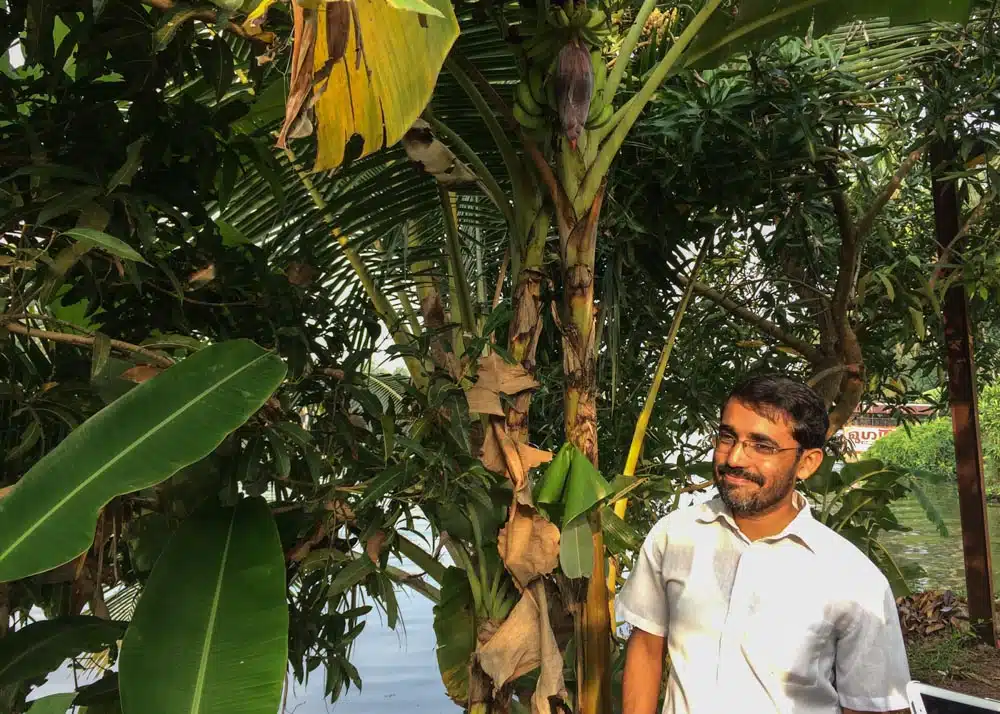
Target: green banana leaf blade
x: 139, y: 440
x: 755, y: 21
x: 52, y: 704
x: 210, y: 632
x: 39, y: 648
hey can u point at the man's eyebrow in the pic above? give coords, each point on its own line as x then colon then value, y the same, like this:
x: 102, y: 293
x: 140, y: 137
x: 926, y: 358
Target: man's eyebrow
x: 763, y: 438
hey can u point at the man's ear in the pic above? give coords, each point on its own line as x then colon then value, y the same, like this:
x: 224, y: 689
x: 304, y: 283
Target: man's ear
x: 809, y: 462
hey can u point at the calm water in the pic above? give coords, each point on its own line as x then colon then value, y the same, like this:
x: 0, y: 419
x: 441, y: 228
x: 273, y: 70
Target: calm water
x: 940, y: 557
x: 399, y: 668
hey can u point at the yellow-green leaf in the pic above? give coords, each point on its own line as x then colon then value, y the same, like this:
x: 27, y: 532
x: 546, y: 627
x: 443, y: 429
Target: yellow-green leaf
x: 416, y: 6
x: 378, y: 92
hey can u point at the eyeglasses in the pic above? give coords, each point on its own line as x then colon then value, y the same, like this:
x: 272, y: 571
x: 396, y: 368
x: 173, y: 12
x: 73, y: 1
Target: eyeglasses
x: 726, y: 442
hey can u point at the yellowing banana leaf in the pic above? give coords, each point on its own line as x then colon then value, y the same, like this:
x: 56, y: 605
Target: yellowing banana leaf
x: 210, y: 632
x: 141, y: 439
x: 366, y: 68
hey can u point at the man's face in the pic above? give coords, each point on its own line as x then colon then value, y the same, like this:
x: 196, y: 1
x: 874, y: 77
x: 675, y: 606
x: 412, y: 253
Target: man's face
x: 755, y: 480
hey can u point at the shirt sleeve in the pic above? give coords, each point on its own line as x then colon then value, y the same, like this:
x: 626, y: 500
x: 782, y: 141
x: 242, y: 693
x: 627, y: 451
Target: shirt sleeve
x: 871, y: 666
x: 642, y: 601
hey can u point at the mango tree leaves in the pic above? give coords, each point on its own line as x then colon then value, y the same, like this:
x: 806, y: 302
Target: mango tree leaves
x: 39, y: 648
x: 210, y: 633
x: 455, y: 632
x: 758, y: 20
x: 371, y: 69
x: 99, y: 239
x: 141, y: 439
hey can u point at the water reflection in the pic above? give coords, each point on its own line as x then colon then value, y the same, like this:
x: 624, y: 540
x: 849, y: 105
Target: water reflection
x: 941, y: 557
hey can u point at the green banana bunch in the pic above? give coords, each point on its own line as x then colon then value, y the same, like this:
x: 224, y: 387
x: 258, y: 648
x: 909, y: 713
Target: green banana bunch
x: 601, y: 110
x: 595, y: 31
x: 529, y: 100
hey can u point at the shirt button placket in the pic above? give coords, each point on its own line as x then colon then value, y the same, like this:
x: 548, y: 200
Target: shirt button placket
x: 728, y: 677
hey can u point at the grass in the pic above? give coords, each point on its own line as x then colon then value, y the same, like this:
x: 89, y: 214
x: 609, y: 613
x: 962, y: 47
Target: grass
x: 956, y: 661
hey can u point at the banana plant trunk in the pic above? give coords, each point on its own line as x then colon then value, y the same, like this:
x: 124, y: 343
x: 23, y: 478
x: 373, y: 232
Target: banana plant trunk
x: 526, y: 325
x: 578, y: 238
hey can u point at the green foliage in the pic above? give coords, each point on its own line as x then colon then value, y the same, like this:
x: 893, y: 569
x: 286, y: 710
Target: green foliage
x: 212, y: 620
x: 35, y: 650
x: 929, y: 446
x: 136, y: 442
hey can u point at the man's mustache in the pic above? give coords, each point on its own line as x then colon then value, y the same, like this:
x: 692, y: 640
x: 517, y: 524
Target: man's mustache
x: 741, y: 473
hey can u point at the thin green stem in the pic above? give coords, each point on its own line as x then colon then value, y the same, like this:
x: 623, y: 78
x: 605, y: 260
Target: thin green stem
x: 511, y: 160
x: 628, y: 47
x: 610, y: 147
x: 462, y: 297
x: 421, y: 558
x: 414, y: 582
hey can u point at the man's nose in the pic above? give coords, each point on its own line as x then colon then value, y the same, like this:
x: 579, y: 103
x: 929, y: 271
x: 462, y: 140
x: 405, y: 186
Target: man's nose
x: 737, y: 456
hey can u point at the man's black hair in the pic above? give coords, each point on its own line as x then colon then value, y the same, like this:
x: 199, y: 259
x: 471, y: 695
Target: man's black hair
x: 777, y: 397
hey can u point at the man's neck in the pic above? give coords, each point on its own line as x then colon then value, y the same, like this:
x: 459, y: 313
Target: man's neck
x: 769, y: 523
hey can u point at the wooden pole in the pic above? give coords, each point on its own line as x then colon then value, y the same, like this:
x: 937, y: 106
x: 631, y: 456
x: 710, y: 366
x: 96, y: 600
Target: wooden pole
x: 962, y: 397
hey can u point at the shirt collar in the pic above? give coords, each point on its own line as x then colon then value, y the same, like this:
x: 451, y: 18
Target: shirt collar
x: 800, y: 528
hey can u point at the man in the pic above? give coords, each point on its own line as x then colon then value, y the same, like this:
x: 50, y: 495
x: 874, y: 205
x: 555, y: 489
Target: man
x: 759, y: 606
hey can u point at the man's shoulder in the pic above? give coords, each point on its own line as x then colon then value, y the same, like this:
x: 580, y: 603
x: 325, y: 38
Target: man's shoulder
x: 847, y: 563
x: 682, y: 519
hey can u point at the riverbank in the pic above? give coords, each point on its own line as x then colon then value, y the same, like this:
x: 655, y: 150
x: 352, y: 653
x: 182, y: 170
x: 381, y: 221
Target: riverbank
x: 941, y: 647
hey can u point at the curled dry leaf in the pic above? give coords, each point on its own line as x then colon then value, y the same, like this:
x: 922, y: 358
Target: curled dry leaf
x: 300, y: 274
x: 203, y: 276
x: 491, y: 454
x: 524, y: 642
x: 532, y: 457
x: 483, y: 401
x: 499, y: 376
x: 141, y: 373
x: 493, y: 378
x: 374, y: 545
x: 528, y: 545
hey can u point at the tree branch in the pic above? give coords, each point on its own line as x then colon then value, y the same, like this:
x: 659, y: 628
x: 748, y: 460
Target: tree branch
x: 864, y: 225
x: 83, y: 341
x: 807, y: 350
x: 209, y: 17
x: 974, y: 218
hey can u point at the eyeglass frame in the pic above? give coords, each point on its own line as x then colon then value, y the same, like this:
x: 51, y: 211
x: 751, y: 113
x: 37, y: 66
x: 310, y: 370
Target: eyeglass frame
x: 751, y: 447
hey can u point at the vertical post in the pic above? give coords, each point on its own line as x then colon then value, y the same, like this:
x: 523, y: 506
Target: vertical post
x: 962, y: 396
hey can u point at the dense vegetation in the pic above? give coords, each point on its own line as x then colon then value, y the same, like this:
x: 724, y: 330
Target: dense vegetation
x: 246, y: 367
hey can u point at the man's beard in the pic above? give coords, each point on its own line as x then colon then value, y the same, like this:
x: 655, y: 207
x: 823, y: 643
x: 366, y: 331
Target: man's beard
x: 750, y: 500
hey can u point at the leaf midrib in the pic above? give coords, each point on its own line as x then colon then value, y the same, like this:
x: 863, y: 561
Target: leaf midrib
x: 59, y: 504
x: 210, y: 628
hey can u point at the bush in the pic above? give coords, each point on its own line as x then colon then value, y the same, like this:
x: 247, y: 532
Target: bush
x: 930, y: 446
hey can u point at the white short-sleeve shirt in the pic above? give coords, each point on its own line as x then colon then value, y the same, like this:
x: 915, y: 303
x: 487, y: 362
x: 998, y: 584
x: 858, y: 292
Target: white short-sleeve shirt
x: 798, y: 623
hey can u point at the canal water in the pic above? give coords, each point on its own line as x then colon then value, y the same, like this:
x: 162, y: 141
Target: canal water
x: 940, y: 557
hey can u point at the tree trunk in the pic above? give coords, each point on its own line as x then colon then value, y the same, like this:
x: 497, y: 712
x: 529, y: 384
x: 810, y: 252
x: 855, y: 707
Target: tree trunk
x: 526, y: 325
x: 579, y: 243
